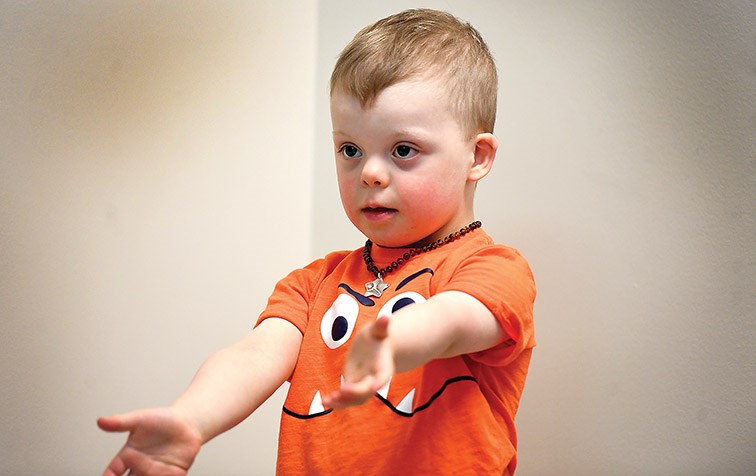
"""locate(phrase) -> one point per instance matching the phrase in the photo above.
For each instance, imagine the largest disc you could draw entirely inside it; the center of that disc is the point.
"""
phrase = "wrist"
(190, 421)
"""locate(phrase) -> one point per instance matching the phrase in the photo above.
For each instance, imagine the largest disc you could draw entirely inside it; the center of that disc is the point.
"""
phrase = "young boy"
(409, 355)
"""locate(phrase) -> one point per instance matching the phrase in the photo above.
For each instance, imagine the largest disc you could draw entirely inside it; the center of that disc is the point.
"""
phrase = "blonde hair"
(428, 44)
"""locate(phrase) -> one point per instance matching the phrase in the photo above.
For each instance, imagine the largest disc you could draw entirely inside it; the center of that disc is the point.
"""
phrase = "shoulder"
(326, 264)
(293, 294)
(319, 269)
(496, 274)
(481, 251)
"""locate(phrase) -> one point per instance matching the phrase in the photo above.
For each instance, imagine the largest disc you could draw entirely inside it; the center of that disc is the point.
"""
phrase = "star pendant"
(376, 288)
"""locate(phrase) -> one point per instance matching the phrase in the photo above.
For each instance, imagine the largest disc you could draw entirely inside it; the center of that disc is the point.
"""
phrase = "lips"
(377, 213)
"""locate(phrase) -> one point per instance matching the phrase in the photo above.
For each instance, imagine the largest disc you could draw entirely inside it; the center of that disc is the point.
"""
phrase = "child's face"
(403, 164)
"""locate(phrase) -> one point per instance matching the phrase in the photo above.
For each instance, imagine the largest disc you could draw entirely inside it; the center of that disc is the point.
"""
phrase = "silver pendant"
(376, 288)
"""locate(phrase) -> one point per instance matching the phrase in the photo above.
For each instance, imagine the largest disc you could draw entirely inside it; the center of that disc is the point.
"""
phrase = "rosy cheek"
(346, 194)
(422, 190)
(348, 199)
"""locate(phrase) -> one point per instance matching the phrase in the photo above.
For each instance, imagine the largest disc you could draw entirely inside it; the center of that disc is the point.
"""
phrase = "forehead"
(406, 104)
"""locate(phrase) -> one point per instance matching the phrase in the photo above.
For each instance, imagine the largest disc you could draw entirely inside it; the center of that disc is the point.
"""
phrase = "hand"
(369, 365)
(160, 442)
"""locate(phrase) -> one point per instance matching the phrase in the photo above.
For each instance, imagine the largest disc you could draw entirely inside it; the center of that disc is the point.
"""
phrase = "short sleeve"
(501, 279)
(293, 294)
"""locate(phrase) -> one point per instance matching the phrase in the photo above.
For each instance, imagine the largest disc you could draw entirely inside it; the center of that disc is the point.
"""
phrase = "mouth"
(378, 213)
(407, 405)
(404, 407)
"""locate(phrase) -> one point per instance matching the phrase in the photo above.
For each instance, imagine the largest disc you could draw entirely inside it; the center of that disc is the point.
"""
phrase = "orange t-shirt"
(450, 416)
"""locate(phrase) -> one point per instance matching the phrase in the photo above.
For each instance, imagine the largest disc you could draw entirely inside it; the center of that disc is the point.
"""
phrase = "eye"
(398, 302)
(338, 321)
(404, 151)
(350, 151)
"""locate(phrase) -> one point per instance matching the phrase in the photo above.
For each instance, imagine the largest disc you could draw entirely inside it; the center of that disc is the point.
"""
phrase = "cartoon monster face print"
(326, 342)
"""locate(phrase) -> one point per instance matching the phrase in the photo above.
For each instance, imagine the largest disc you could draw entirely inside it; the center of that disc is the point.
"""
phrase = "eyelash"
(358, 153)
(342, 151)
(413, 152)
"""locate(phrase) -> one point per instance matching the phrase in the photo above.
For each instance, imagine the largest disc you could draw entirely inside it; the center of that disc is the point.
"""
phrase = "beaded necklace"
(377, 287)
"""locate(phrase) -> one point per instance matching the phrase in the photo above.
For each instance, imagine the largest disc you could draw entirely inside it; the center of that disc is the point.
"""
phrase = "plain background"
(162, 164)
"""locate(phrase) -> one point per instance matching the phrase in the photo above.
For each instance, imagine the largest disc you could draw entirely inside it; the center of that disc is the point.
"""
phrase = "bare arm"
(229, 386)
(236, 380)
(448, 324)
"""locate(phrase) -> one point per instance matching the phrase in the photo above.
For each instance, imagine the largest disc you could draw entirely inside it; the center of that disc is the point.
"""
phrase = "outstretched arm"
(448, 324)
(228, 387)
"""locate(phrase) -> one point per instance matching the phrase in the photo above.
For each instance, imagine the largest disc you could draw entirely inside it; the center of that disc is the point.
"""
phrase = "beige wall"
(155, 174)
(160, 168)
(626, 177)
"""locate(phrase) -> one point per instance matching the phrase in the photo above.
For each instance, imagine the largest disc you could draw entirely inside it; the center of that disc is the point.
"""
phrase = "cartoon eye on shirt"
(339, 321)
(350, 310)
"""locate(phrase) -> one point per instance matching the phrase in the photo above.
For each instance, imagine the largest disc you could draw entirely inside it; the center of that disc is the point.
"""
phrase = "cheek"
(346, 188)
(430, 193)
(350, 198)
(444, 180)
(347, 195)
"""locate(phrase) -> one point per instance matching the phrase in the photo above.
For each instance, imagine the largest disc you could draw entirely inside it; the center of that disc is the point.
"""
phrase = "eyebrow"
(413, 276)
(364, 300)
(406, 133)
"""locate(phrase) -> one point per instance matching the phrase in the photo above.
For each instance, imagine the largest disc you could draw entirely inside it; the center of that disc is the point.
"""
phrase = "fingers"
(133, 464)
(355, 393)
(379, 329)
(116, 423)
(367, 364)
(347, 396)
(116, 467)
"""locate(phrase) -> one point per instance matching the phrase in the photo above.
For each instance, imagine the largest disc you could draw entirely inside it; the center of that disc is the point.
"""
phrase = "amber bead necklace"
(376, 288)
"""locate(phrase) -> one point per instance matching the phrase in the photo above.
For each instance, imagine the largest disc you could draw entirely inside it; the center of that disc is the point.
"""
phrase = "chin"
(394, 241)
(384, 239)
(393, 236)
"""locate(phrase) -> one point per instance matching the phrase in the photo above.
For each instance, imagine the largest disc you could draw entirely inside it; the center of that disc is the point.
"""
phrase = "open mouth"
(406, 406)
(378, 212)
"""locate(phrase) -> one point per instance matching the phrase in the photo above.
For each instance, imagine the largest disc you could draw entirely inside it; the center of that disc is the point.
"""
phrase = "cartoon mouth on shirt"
(405, 394)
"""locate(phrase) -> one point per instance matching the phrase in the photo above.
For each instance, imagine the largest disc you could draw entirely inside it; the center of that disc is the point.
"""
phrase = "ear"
(485, 153)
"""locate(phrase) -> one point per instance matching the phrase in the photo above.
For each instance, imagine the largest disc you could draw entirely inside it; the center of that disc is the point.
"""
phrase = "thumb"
(117, 423)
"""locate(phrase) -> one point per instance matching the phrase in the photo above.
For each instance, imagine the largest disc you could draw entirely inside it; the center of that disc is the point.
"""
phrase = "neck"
(412, 251)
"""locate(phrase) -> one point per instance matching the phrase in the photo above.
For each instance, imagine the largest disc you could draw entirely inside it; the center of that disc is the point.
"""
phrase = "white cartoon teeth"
(383, 391)
(405, 406)
(317, 404)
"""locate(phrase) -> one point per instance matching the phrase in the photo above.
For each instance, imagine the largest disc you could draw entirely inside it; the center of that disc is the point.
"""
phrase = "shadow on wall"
(96, 67)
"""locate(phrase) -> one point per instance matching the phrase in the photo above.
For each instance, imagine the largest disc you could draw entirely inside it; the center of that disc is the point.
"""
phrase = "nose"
(375, 172)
